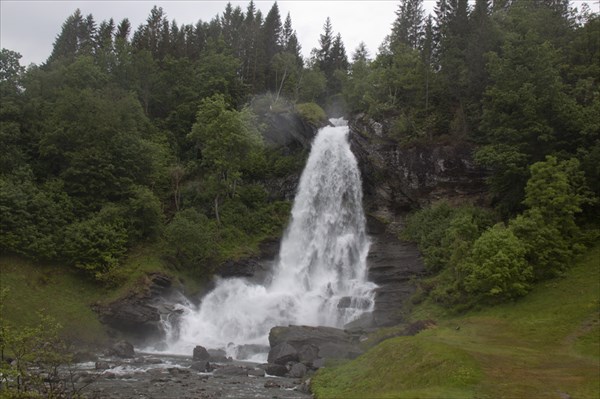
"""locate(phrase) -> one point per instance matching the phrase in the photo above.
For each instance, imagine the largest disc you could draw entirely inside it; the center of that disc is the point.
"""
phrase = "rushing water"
(319, 277)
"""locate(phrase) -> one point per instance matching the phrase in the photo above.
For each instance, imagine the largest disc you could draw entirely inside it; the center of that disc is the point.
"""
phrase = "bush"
(190, 239)
(95, 245)
(32, 218)
(311, 113)
(497, 269)
(445, 234)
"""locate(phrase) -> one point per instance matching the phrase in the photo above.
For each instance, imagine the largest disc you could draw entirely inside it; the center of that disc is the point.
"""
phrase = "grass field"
(33, 288)
(544, 346)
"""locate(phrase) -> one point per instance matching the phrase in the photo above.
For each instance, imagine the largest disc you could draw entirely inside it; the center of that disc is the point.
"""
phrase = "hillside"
(545, 345)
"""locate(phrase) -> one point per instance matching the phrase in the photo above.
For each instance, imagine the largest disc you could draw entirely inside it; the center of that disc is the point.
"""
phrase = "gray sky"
(30, 27)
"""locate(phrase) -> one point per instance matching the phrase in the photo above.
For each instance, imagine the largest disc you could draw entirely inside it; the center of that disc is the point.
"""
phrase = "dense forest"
(154, 136)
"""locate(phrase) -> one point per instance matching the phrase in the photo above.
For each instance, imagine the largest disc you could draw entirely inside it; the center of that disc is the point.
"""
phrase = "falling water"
(320, 275)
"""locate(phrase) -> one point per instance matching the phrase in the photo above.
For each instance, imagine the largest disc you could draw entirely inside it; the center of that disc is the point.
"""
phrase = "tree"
(407, 29)
(272, 39)
(226, 139)
(526, 115)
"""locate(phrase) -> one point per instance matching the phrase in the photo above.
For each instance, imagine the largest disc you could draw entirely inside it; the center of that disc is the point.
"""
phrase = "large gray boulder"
(283, 353)
(310, 343)
(275, 369)
(122, 349)
(200, 354)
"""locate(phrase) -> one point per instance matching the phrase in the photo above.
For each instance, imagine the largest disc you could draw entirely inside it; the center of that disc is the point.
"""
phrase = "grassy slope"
(544, 346)
(66, 295)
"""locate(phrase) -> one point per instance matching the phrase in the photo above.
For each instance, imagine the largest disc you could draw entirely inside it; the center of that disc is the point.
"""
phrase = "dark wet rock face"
(393, 265)
(402, 177)
(138, 313)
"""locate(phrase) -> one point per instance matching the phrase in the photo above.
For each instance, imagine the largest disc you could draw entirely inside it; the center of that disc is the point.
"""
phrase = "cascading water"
(320, 276)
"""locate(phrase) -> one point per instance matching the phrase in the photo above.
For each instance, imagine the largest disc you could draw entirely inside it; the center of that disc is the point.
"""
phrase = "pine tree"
(361, 53)
(272, 35)
(408, 26)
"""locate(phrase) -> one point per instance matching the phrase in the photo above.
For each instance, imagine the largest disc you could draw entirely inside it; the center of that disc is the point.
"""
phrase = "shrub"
(311, 113)
(95, 245)
(190, 239)
(497, 269)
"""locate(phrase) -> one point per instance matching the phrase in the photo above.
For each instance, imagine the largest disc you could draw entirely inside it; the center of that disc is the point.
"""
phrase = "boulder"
(200, 354)
(275, 369)
(202, 366)
(283, 353)
(329, 342)
(102, 366)
(307, 354)
(122, 349)
(256, 372)
(231, 371)
(218, 355)
(335, 350)
(318, 363)
(298, 336)
(298, 370)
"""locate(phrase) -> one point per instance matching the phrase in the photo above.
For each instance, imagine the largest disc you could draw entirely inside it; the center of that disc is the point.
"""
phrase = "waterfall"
(319, 277)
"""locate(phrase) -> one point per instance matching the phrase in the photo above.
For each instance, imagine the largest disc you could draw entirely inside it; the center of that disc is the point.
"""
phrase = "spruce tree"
(408, 26)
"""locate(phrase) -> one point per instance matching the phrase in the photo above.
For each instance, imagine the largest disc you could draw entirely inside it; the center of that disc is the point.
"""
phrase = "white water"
(322, 260)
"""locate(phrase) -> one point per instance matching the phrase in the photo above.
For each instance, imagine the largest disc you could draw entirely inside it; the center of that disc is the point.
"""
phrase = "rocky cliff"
(401, 177)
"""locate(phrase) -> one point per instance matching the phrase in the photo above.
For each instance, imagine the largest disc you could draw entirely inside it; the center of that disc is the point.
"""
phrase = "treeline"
(155, 135)
(521, 79)
(123, 137)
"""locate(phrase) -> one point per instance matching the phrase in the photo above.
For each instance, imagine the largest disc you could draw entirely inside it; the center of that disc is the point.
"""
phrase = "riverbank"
(545, 345)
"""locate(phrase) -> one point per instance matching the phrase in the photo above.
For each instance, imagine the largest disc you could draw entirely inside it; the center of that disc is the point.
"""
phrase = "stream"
(152, 376)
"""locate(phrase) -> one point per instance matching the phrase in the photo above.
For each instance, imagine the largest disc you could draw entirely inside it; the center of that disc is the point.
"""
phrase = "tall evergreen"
(407, 29)
(272, 40)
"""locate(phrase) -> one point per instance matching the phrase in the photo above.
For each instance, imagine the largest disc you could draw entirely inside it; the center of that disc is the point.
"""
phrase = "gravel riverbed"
(164, 377)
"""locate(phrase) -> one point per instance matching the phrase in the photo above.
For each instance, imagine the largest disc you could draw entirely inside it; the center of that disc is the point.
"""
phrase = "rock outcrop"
(394, 265)
(138, 313)
(402, 177)
(309, 346)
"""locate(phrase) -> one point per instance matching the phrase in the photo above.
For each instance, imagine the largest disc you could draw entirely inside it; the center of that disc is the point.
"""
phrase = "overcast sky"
(30, 27)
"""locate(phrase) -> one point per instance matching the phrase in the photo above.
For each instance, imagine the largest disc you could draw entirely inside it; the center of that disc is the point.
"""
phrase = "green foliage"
(190, 239)
(444, 234)
(526, 115)
(312, 85)
(95, 245)
(496, 269)
(229, 141)
(555, 193)
(311, 113)
(32, 219)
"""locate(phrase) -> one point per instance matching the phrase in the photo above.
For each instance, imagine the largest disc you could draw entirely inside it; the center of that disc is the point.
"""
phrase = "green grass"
(53, 291)
(543, 346)
(67, 295)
